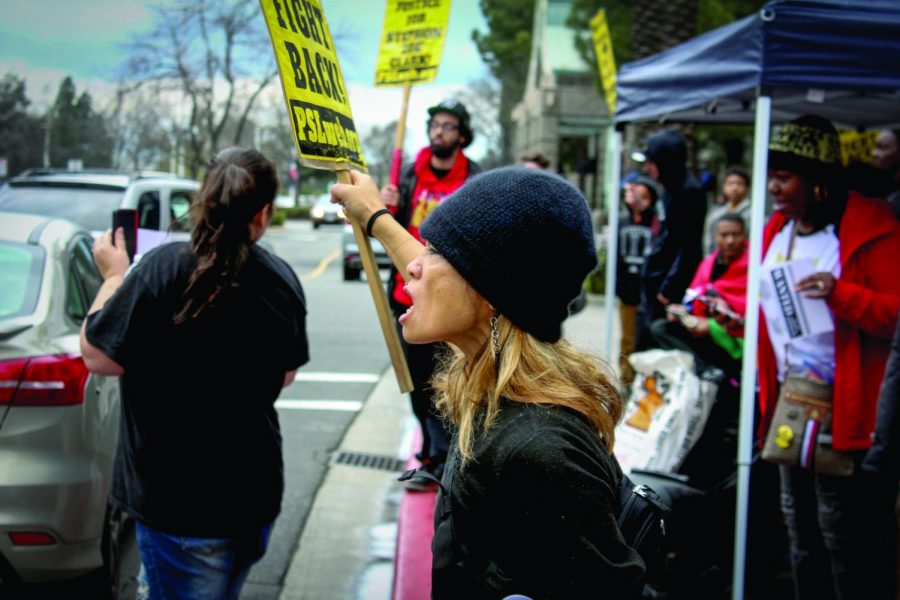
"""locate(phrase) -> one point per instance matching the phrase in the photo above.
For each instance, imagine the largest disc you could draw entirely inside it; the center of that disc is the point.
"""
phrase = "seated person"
(710, 322)
(735, 191)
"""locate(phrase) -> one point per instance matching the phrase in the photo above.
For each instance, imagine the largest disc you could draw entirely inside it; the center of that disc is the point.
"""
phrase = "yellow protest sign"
(412, 41)
(313, 85)
(606, 62)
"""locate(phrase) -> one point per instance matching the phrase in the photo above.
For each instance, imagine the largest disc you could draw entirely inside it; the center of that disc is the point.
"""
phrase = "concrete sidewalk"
(347, 547)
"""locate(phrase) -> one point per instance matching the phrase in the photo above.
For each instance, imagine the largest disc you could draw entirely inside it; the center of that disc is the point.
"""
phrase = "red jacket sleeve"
(871, 298)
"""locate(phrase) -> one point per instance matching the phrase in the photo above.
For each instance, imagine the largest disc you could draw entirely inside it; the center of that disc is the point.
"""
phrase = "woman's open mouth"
(405, 315)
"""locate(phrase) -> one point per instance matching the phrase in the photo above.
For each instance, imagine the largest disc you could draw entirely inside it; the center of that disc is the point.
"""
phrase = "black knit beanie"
(523, 239)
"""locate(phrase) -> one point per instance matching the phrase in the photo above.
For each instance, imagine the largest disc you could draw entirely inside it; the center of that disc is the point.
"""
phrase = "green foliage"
(620, 16)
(278, 217)
(21, 133)
(315, 181)
(596, 281)
(506, 50)
(715, 13)
(294, 212)
(77, 131)
(506, 47)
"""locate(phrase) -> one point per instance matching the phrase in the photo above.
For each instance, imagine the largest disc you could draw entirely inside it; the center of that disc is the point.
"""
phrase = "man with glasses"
(439, 170)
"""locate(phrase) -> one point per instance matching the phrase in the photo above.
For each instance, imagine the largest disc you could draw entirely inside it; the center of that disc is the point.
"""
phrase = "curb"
(335, 548)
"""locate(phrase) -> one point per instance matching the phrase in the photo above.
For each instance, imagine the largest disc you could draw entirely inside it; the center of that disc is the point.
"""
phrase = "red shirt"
(430, 191)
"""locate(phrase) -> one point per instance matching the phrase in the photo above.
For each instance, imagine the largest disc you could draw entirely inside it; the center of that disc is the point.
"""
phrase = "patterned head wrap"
(808, 146)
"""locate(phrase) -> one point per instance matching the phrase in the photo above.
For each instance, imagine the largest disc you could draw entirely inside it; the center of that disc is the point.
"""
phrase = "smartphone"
(127, 219)
(687, 319)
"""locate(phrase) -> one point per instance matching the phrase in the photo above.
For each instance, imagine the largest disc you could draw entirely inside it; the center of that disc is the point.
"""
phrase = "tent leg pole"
(751, 341)
(614, 143)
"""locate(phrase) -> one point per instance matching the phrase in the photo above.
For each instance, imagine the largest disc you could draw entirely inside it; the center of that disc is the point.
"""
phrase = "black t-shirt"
(199, 450)
(539, 499)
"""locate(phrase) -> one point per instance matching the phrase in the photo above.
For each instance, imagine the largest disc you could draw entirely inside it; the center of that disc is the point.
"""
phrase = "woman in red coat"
(854, 244)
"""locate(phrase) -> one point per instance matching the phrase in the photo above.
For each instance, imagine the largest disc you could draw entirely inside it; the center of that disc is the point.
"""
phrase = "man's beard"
(444, 151)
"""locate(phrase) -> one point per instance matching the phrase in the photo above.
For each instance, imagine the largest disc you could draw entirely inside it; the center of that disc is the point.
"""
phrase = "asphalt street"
(348, 356)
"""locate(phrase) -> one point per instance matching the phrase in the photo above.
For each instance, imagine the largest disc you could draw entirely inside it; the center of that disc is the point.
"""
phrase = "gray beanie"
(523, 239)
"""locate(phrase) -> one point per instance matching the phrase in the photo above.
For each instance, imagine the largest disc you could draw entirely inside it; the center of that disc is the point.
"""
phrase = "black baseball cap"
(458, 110)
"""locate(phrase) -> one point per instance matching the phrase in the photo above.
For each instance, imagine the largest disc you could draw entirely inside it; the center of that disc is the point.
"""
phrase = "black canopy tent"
(838, 59)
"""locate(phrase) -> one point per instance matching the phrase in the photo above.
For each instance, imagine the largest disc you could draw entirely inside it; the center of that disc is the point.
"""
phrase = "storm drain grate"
(369, 461)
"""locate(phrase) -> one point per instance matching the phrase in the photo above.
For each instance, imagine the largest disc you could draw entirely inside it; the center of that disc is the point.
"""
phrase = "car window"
(180, 210)
(148, 210)
(87, 206)
(84, 278)
(21, 273)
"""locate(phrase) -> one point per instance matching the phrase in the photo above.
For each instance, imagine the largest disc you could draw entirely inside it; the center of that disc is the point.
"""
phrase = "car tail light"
(31, 538)
(54, 380)
(10, 374)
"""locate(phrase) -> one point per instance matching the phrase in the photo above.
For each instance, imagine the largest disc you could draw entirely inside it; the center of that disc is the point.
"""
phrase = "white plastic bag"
(666, 412)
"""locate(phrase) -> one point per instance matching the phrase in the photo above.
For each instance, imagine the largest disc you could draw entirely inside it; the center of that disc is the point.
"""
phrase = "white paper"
(790, 315)
(148, 239)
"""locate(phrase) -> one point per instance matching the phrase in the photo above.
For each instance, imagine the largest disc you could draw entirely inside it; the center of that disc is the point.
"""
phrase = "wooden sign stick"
(397, 156)
(385, 316)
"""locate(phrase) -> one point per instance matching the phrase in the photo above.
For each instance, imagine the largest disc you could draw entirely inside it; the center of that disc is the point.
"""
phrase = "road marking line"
(337, 377)
(323, 264)
(337, 405)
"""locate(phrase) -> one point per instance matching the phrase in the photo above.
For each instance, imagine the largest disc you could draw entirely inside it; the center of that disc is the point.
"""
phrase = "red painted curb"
(415, 528)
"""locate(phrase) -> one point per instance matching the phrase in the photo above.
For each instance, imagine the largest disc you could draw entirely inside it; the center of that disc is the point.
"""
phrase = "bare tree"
(378, 145)
(142, 143)
(216, 57)
(482, 97)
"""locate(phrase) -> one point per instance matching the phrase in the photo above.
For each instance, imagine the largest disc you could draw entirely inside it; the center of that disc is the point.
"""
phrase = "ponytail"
(237, 186)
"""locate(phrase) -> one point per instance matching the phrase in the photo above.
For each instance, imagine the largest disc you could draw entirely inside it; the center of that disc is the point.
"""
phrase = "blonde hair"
(529, 371)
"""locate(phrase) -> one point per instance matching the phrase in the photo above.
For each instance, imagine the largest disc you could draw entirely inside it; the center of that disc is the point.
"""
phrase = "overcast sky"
(46, 40)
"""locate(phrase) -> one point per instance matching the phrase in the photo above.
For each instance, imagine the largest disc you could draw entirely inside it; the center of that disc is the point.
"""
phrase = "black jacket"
(635, 242)
(534, 512)
(884, 455)
(678, 249)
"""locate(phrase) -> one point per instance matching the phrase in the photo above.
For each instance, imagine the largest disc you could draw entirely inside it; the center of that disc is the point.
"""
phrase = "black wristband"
(372, 219)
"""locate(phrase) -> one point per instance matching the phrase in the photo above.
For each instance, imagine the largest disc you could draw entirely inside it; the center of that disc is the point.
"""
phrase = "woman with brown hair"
(204, 335)
(531, 482)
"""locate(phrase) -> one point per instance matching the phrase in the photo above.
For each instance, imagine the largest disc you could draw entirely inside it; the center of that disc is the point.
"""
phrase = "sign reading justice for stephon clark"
(313, 85)
(412, 41)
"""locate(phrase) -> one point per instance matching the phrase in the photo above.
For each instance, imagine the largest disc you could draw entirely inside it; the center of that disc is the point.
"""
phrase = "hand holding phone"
(127, 219)
(681, 313)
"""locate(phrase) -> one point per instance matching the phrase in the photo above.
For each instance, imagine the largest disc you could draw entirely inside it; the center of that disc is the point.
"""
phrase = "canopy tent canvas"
(840, 60)
(837, 59)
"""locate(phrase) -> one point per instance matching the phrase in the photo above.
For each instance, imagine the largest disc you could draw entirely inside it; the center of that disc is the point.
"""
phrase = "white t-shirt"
(812, 355)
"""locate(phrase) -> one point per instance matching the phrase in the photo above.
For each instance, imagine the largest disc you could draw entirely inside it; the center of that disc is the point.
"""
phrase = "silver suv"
(88, 198)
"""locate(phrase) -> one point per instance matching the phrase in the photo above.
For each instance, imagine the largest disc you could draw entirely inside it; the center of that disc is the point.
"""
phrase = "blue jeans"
(190, 568)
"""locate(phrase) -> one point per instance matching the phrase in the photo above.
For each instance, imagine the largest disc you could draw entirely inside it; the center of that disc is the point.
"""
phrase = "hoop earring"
(495, 336)
(820, 194)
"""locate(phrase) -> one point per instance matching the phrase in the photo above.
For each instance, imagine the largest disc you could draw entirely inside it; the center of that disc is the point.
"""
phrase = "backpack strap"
(409, 473)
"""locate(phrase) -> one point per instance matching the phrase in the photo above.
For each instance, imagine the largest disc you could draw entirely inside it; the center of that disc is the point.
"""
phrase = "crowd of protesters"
(506, 407)
(841, 530)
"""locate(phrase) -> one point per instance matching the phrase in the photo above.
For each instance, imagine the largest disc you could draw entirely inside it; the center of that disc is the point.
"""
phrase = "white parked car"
(88, 198)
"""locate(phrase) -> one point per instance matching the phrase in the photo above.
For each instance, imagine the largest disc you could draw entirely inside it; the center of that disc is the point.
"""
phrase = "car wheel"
(350, 274)
(316, 225)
